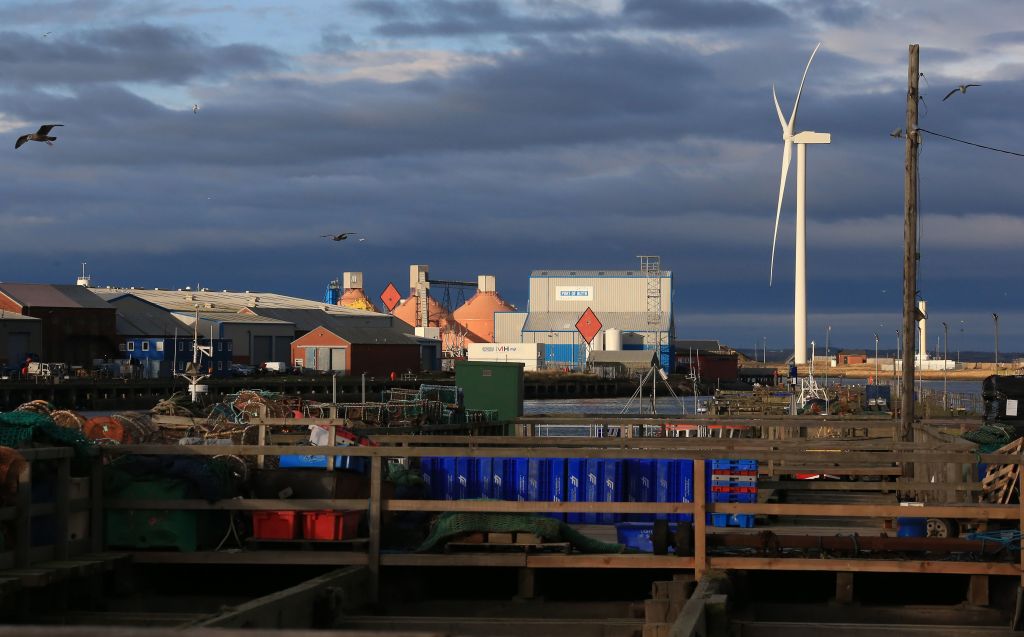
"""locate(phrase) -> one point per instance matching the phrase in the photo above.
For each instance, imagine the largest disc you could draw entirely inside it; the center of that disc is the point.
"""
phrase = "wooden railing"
(824, 456)
(21, 554)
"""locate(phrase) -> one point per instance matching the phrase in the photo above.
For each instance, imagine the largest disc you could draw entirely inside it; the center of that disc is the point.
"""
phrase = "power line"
(964, 141)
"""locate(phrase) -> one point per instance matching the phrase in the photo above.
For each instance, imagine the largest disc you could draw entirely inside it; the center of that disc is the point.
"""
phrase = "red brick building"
(357, 350)
(77, 325)
(851, 357)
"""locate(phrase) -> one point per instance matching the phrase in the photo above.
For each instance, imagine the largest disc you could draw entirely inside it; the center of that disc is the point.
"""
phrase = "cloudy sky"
(487, 137)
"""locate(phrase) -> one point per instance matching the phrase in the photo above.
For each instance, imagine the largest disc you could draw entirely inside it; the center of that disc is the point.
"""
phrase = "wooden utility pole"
(910, 248)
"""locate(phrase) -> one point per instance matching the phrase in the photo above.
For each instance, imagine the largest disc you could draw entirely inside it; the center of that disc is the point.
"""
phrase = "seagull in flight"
(41, 135)
(962, 88)
(47, 33)
(338, 237)
(195, 109)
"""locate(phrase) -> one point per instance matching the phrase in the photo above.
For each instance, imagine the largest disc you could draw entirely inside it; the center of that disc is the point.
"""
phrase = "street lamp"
(995, 319)
(875, 382)
(764, 349)
(959, 343)
(945, 356)
(899, 344)
(828, 363)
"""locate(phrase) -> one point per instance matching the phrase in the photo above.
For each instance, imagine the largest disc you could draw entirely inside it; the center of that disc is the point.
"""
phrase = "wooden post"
(700, 558)
(332, 439)
(96, 504)
(62, 513)
(844, 587)
(373, 560)
(23, 521)
(527, 588)
(910, 248)
(261, 441)
(977, 591)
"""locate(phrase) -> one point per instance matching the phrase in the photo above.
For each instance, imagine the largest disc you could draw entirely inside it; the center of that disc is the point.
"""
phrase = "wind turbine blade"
(796, 104)
(778, 109)
(787, 157)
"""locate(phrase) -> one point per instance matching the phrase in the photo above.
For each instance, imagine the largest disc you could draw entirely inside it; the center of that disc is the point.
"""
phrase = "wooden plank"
(700, 539)
(23, 523)
(518, 560)
(313, 558)
(376, 475)
(509, 506)
(845, 459)
(958, 512)
(293, 607)
(96, 505)
(864, 566)
(623, 560)
(62, 509)
(844, 587)
(977, 590)
(242, 505)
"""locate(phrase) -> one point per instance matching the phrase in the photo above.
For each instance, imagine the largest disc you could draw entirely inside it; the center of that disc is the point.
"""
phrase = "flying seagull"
(195, 108)
(41, 135)
(47, 33)
(962, 88)
(338, 237)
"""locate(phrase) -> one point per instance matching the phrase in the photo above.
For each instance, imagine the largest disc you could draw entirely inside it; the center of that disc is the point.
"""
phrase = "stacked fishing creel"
(178, 404)
(69, 419)
(249, 404)
(12, 464)
(41, 407)
(119, 429)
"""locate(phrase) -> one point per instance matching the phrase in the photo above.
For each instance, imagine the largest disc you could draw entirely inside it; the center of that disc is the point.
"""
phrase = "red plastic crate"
(330, 525)
(275, 525)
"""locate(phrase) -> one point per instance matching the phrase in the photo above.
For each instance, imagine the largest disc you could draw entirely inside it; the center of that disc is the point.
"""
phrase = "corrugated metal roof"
(13, 316)
(137, 318)
(51, 295)
(375, 335)
(231, 317)
(306, 320)
(179, 300)
(626, 357)
(566, 321)
(595, 273)
(684, 345)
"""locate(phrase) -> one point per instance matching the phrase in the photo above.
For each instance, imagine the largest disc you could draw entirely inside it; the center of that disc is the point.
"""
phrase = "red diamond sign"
(391, 296)
(588, 326)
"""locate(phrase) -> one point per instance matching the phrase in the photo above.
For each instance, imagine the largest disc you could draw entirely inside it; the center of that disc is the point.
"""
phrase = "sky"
(487, 137)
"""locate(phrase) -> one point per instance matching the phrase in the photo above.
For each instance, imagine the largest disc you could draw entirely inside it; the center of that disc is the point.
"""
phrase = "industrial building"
(77, 326)
(20, 335)
(477, 314)
(531, 355)
(636, 305)
(353, 350)
(707, 360)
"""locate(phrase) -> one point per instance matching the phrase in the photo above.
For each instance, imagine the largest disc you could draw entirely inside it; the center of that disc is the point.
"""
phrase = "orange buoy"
(105, 428)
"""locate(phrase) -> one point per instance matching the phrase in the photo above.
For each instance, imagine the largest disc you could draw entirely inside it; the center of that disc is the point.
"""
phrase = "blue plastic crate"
(519, 477)
(499, 479)
(536, 480)
(575, 486)
(736, 465)
(663, 486)
(594, 478)
(554, 490)
(635, 535)
(464, 480)
(742, 520)
(681, 487)
(732, 497)
(610, 489)
(483, 479)
(349, 463)
(639, 480)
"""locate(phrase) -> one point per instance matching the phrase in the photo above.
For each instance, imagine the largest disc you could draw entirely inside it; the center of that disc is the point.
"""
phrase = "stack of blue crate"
(732, 481)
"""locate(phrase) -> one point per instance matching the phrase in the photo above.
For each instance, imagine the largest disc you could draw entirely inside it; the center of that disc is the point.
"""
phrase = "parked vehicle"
(47, 370)
(275, 367)
(240, 369)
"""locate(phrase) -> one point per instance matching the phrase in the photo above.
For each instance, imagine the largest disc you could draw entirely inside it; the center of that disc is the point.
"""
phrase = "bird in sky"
(962, 88)
(195, 109)
(47, 33)
(361, 240)
(338, 237)
(41, 135)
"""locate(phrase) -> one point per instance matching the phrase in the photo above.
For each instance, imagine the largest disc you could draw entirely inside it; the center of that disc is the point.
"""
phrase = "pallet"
(302, 544)
(1000, 481)
(486, 547)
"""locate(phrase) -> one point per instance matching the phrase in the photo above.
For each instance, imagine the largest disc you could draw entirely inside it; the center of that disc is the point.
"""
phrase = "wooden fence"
(869, 457)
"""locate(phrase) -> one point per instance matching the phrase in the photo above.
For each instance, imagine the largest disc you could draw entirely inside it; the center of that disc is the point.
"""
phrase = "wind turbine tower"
(790, 137)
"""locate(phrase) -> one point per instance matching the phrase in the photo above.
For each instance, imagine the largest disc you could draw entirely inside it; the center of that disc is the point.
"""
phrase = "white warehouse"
(638, 303)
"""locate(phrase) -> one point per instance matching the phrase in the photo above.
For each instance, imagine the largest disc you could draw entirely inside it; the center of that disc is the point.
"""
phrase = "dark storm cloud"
(463, 17)
(844, 13)
(135, 53)
(1004, 37)
(702, 14)
(63, 14)
(334, 40)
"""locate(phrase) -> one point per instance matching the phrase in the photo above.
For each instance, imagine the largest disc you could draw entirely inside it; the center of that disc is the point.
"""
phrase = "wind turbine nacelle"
(810, 137)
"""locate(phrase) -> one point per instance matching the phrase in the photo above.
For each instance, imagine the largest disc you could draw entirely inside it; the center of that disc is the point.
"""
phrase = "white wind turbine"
(801, 140)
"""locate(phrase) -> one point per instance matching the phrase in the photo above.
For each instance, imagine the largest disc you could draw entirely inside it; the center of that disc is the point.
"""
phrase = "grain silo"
(354, 295)
(477, 314)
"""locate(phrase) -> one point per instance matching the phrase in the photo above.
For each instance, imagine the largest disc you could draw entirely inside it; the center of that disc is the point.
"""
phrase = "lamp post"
(899, 385)
(945, 355)
(764, 349)
(828, 363)
(959, 344)
(995, 320)
(875, 381)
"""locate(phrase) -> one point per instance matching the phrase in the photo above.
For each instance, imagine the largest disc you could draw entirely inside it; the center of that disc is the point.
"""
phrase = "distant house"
(622, 362)
(851, 357)
(77, 326)
(356, 350)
